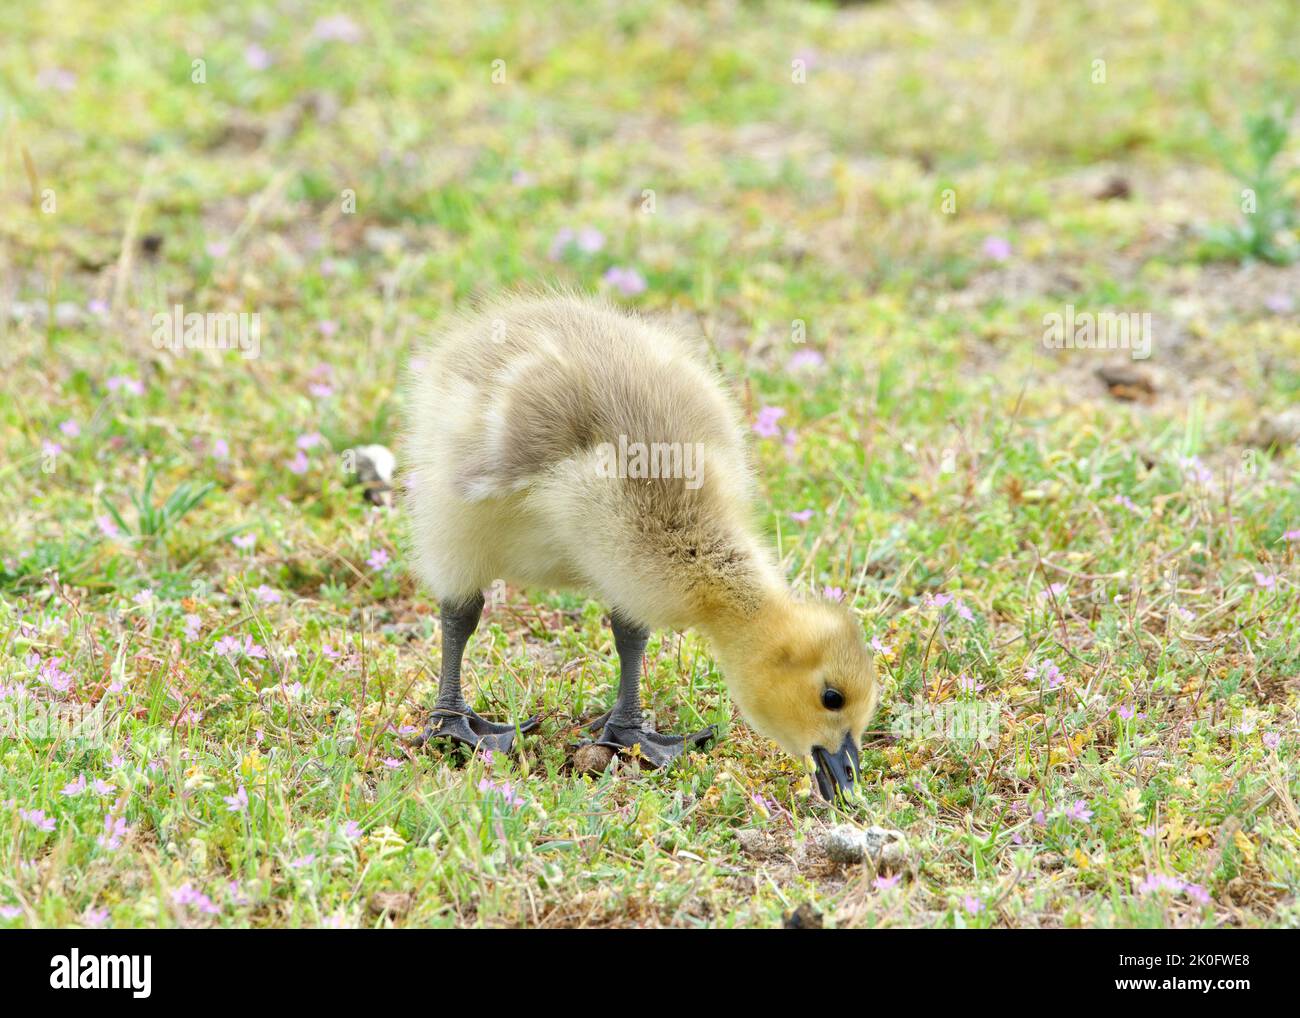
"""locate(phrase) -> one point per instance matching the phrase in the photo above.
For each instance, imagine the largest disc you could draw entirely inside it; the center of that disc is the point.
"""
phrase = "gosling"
(553, 441)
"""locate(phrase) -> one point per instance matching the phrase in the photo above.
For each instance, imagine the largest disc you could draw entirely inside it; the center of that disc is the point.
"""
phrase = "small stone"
(1115, 188)
(848, 845)
(1277, 431)
(805, 917)
(393, 903)
(592, 759)
(1127, 382)
(758, 843)
(374, 465)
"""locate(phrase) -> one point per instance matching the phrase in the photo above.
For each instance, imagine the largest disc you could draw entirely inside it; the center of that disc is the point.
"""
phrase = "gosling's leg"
(453, 718)
(623, 728)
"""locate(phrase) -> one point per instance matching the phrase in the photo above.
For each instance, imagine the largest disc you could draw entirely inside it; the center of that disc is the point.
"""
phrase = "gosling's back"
(532, 427)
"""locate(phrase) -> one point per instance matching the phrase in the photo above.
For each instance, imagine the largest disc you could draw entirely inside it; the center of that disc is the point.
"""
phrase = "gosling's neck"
(737, 625)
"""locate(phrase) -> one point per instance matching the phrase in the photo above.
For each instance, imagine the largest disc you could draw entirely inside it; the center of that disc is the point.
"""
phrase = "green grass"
(1141, 547)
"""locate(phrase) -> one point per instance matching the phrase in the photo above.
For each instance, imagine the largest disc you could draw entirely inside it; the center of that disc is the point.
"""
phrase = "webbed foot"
(648, 745)
(469, 729)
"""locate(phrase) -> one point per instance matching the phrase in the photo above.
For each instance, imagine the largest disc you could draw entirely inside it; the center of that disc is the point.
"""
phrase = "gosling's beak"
(837, 771)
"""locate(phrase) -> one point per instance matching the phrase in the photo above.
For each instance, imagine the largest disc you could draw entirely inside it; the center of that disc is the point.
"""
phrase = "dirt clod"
(592, 759)
(849, 845)
(1277, 431)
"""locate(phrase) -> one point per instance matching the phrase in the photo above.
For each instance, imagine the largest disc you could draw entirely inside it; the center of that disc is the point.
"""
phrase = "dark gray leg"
(452, 716)
(622, 728)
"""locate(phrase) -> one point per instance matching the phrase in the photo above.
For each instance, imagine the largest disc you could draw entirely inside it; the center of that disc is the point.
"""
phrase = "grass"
(202, 603)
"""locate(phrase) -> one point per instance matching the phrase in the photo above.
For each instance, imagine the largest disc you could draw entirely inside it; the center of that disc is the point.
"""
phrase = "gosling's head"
(802, 675)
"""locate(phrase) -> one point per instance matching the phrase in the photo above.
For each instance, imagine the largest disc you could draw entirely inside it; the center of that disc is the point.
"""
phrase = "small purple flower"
(106, 526)
(806, 359)
(967, 684)
(352, 830)
(506, 790)
(321, 390)
(298, 465)
(1128, 504)
(766, 426)
(879, 646)
(1046, 672)
(833, 593)
(220, 449)
(228, 646)
(70, 428)
(38, 819)
(187, 897)
(1078, 811)
(56, 79)
(237, 803)
(256, 57)
(972, 905)
(327, 327)
(1280, 304)
(589, 240)
(378, 559)
(935, 600)
(1156, 882)
(1195, 471)
(114, 834)
(888, 883)
(802, 516)
(336, 28)
(75, 787)
(244, 542)
(1271, 740)
(629, 282)
(1126, 712)
(962, 611)
(126, 383)
(268, 595)
(1265, 580)
(54, 676)
(310, 440)
(997, 248)
(1054, 591)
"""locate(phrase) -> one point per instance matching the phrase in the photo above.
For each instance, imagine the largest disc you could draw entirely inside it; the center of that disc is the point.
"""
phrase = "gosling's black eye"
(832, 699)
